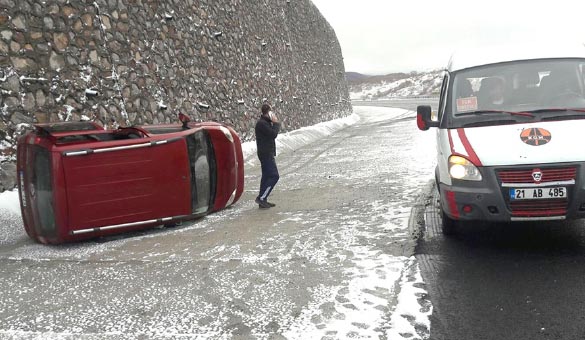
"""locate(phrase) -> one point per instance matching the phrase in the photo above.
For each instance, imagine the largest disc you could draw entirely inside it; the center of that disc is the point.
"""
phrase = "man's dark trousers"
(269, 176)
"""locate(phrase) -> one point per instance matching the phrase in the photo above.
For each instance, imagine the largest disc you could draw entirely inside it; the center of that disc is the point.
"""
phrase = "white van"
(508, 145)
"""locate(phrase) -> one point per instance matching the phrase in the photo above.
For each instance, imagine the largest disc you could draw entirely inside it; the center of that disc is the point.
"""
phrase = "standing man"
(267, 128)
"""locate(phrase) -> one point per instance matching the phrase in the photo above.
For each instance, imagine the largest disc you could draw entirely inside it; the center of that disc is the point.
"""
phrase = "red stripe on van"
(450, 141)
(468, 148)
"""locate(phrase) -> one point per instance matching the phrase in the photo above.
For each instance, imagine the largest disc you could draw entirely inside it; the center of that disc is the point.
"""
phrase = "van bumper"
(489, 199)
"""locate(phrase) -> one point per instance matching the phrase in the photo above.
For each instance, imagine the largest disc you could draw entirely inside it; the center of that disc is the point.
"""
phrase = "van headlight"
(227, 133)
(461, 168)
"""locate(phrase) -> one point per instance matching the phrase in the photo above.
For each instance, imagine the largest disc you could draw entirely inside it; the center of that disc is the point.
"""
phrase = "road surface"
(353, 249)
(505, 281)
(333, 260)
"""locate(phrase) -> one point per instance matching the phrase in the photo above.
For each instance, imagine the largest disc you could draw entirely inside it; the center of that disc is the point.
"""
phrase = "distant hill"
(355, 77)
(358, 78)
(394, 85)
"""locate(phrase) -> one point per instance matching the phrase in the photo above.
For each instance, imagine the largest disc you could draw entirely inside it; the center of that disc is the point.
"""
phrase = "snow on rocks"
(411, 85)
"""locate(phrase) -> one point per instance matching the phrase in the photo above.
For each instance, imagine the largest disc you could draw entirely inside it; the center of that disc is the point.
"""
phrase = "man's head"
(265, 109)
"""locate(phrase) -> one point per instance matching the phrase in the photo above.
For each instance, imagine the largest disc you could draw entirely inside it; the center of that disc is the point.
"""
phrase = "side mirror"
(185, 120)
(423, 118)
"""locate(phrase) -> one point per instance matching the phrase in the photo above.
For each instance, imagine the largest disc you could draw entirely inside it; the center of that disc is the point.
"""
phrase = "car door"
(127, 183)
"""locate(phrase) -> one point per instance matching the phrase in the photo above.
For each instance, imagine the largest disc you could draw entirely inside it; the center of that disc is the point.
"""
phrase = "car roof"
(468, 58)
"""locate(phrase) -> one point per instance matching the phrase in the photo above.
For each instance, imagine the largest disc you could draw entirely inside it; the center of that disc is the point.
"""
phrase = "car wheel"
(173, 224)
(448, 225)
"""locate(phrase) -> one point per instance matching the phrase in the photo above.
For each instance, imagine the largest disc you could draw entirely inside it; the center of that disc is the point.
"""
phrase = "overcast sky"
(384, 36)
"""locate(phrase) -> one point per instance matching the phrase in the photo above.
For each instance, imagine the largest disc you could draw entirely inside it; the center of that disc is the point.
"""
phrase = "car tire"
(173, 224)
(448, 225)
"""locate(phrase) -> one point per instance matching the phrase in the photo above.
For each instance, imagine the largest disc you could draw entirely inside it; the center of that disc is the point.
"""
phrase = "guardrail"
(396, 98)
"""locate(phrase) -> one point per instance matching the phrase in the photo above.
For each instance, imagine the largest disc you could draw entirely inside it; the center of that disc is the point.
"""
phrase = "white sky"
(384, 36)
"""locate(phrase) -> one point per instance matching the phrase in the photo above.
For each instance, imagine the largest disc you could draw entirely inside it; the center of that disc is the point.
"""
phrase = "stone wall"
(125, 62)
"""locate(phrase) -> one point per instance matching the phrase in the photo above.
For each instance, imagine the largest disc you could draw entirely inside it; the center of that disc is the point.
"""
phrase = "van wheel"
(448, 225)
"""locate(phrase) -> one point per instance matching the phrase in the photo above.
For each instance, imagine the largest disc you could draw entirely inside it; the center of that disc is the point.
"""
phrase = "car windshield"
(521, 90)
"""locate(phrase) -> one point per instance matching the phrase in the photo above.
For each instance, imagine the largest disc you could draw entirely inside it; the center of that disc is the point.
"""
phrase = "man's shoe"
(271, 204)
(257, 200)
(264, 205)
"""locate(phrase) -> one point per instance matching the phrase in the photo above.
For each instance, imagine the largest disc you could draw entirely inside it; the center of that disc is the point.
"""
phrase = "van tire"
(448, 225)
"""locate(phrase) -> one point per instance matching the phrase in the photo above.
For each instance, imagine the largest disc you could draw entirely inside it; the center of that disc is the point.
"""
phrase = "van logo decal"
(535, 136)
(537, 175)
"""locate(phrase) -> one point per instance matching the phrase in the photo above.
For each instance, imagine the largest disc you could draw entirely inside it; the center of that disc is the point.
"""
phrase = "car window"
(201, 180)
(41, 189)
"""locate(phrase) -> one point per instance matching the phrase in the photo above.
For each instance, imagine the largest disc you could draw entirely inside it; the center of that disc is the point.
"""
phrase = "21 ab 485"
(538, 193)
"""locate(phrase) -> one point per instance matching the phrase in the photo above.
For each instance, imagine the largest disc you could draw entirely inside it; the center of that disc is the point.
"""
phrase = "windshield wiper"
(572, 114)
(490, 123)
(481, 112)
(557, 110)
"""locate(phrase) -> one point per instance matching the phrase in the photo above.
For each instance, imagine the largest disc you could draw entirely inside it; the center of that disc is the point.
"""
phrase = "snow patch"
(68, 114)
(410, 319)
(293, 140)
(9, 202)
(360, 307)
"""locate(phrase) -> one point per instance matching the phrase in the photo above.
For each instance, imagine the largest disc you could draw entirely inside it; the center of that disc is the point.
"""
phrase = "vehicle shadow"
(545, 238)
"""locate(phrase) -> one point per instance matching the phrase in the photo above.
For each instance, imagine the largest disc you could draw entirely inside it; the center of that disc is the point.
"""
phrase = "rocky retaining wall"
(125, 62)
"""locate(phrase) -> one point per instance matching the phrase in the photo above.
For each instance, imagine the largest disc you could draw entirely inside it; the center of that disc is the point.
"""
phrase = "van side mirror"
(423, 118)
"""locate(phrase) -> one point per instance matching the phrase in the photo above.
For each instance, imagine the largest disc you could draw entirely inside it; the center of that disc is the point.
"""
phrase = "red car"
(78, 181)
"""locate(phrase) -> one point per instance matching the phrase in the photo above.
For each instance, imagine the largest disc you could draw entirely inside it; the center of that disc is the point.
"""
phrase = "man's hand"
(273, 117)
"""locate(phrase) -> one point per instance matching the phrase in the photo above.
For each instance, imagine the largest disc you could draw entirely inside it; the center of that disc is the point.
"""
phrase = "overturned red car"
(78, 180)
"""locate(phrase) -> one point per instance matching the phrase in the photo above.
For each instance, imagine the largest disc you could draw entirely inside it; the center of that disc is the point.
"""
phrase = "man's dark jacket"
(266, 132)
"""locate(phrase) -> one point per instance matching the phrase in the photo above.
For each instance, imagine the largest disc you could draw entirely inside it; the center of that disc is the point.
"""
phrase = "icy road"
(333, 260)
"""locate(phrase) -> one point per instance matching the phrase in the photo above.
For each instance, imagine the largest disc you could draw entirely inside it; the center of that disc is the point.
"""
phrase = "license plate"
(538, 193)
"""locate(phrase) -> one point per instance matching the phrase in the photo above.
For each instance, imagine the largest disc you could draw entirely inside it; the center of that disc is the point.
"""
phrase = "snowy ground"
(339, 267)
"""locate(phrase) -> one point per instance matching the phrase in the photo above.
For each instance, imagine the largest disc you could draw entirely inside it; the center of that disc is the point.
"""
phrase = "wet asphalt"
(501, 281)
(504, 281)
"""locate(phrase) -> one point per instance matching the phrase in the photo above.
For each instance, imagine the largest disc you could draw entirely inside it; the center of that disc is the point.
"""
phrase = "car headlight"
(227, 133)
(461, 168)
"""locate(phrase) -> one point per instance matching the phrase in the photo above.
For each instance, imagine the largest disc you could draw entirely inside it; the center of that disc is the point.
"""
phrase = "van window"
(520, 86)
(202, 171)
(443, 98)
(582, 74)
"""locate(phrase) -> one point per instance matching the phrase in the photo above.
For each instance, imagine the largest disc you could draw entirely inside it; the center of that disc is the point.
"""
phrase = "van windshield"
(519, 91)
